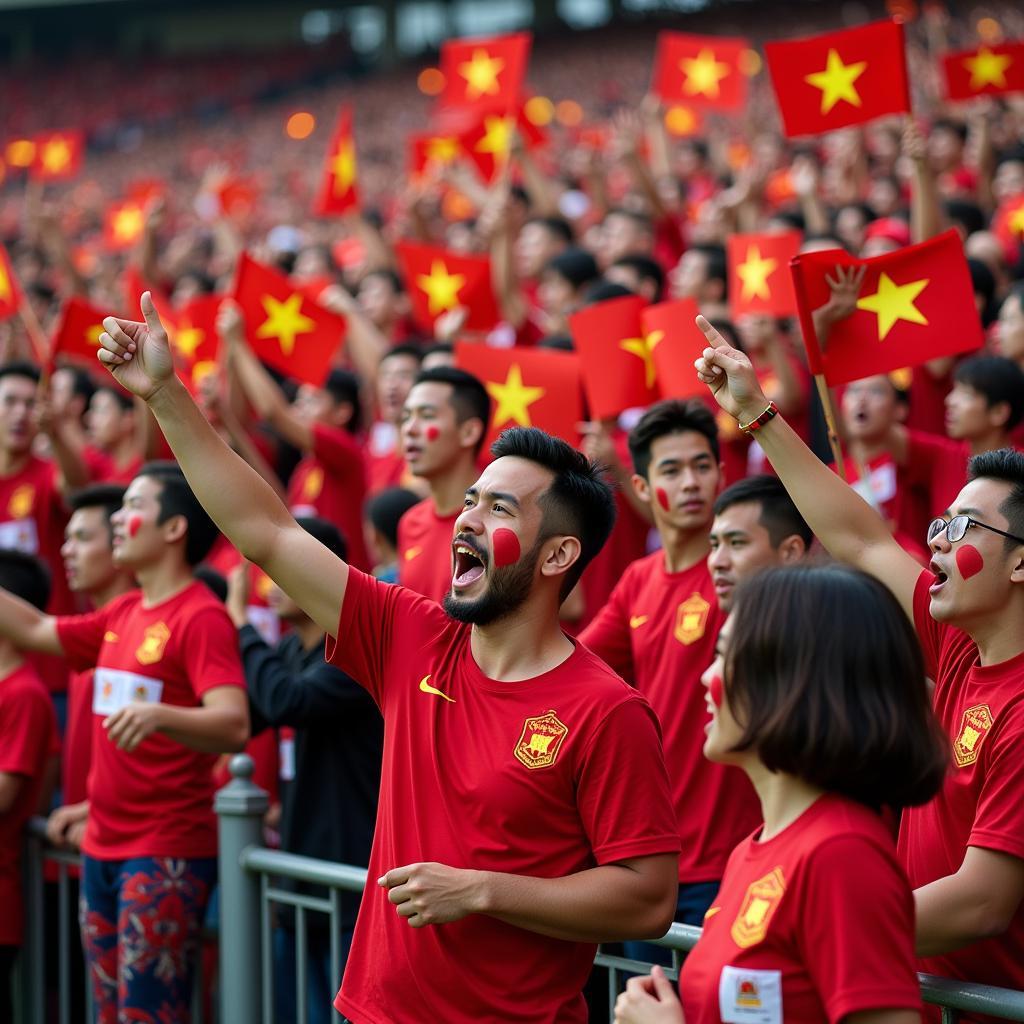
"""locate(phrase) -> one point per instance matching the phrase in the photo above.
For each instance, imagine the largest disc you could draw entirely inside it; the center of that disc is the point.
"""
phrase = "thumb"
(662, 986)
(149, 312)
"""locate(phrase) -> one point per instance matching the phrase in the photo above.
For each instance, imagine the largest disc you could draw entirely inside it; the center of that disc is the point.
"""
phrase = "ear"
(1017, 575)
(175, 529)
(342, 414)
(792, 549)
(998, 414)
(641, 488)
(563, 553)
(470, 432)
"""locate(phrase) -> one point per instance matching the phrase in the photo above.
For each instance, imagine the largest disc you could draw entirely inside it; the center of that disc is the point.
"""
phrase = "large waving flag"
(700, 70)
(485, 71)
(840, 78)
(338, 192)
(759, 278)
(676, 342)
(996, 70)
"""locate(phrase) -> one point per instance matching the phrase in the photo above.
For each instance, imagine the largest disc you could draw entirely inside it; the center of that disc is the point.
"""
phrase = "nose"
(719, 558)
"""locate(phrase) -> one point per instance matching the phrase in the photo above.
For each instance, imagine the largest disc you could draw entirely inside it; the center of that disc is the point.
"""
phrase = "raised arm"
(241, 503)
(27, 627)
(848, 527)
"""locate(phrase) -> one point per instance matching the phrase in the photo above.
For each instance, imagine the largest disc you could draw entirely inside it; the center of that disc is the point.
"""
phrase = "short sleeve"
(210, 653)
(859, 952)
(81, 636)
(623, 793)
(26, 730)
(338, 451)
(999, 818)
(608, 634)
(929, 455)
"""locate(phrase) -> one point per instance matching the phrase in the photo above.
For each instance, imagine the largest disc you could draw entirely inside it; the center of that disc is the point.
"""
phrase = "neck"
(988, 442)
(999, 637)
(783, 797)
(683, 549)
(10, 658)
(120, 584)
(124, 451)
(12, 462)
(448, 490)
(309, 633)
(523, 645)
(163, 580)
(867, 449)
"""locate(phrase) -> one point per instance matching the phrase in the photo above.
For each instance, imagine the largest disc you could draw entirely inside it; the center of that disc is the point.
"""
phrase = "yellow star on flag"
(513, 398)
(1016, 221)
(5, 285)
(754, 273)
(836, 81)
(497, 136)
(186, 339)
(988, 68)
(442, 149)
(893, 302)
(441, 288)
(128, 223)
(703, 73)
(92, 334)
(644, 348)
(343, 167)
(284, 321)
(56, 155)
(481, 74)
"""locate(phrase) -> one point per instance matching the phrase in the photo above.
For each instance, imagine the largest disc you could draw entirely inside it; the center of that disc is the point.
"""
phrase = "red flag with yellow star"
(484, 71)
(431, 152)
(77, 335)
(10, 295)
(1008, 225)
(487, 141)
(338, 192)
(616, 356)
(676, 341)
(438, 281)
(838, 79)
(286, 329)
(529, 387)
(57, 156)
(915, 304)
(702, 71)
(995, 70)
(759, 278)
(123, 224)
(192, 331)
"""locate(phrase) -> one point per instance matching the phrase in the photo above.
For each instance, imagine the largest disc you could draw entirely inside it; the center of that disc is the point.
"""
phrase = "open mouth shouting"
(940, 577)
(469, 564)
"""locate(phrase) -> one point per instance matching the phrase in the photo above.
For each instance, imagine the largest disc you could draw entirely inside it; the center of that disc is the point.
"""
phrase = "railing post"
(240, 807)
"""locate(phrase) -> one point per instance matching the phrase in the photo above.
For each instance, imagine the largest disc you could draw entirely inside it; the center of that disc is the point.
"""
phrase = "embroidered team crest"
(691, 619)
(314, 484)
(976, 722)
(757, 909)
(21, 502)
(151, 650)
(541, 740)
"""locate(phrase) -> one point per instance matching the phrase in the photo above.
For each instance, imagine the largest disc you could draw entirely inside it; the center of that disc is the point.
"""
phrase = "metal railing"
(250, 887)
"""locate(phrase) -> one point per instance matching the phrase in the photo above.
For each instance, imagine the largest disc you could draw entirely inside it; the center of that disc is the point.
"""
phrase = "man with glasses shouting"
(964, 851)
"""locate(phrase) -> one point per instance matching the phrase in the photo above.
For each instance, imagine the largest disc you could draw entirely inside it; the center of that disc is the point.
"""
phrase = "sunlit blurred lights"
(539, 110)
(989, 30)
(569, 113)
(750, 62)
(300, 125)
(455, 206)
(20, 152)
(430, 81)
(680, 121)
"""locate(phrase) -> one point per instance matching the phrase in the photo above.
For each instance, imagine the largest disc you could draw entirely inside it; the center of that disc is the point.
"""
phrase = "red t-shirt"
(28, 732)
(103, 469)
(77, 754)
(982, 711)
(939, 466)
(658, 631)
(927, 410)
(544, 777)
(904, 505)
(813, 925)
(425, 550)
(156, 801)
(330, 483)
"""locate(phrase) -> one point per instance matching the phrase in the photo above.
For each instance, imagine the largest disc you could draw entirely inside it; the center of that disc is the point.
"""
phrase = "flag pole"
(34, 330)
(830, 423)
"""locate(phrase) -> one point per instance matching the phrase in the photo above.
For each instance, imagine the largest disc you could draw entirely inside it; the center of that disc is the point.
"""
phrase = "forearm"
(925, 208)
(503, 277)
(815, 215)
(73, 472)
(366, 344)
(213, 730)
(537, 187)
(27, 627)
(951, 915)
(242, 443)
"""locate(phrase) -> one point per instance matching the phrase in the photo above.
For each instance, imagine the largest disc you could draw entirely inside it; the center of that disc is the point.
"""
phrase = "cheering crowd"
(549, 550)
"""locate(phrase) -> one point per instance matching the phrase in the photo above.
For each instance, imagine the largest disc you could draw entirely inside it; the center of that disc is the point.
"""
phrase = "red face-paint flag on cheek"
(969, 561)
(432, 433)
(505, 547)
(134, 524)
(715, 688)
(662, 495)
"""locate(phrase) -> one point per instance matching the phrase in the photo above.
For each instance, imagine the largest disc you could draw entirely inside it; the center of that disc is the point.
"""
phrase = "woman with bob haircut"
(818, 693)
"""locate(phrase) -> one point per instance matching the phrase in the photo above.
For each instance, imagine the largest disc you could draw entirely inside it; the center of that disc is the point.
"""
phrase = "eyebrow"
(676, 460)
(504, 496)
(973, 512)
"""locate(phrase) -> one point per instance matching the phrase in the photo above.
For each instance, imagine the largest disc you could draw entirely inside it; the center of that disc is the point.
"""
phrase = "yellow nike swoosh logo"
(637, 621)
(411, 553)
(425, 687)
(711, 912)
(110, 637)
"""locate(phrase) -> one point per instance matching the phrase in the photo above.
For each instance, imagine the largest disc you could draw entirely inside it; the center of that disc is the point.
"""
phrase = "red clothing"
(103, 470)
(544, 777)
(810, 926)
(77, 755)
(28, 732)
(658, 630)
(927, 410)
(982, 710)
(938, 465)
(158, 800)
(425, 550)
(902, 504)
(330, 483)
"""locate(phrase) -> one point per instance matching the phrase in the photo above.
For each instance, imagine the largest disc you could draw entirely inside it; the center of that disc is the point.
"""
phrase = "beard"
(507, 591)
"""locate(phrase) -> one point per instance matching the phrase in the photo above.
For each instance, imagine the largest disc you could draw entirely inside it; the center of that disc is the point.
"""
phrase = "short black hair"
(1007, 466)
(824, 675)
(645, 268)
(215, 581)
(641, 220)
(176, 499)
(470, 399)
(25, 576)
(779, 515)
(392, 277)
(576, 266)
(717, 265)
(20, 368)
(672, 416)
(439, 348)
(343, 387)
(108, 497)
(327, 533)
(82, 383)
(999, 380)
(602, 291)
(579, 502)
(385, 509)
(557, 226)
(968, 214)
(122, 397)
(404, 349)
(957, 128)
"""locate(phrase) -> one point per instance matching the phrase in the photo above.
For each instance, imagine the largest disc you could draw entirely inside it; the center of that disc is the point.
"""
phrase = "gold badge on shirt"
(691, 619)
(151, 650)
(757, 909)
(976, 722)
(21, 501)
(540, 740)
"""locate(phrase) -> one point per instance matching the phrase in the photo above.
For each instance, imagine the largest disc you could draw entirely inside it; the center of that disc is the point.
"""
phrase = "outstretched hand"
(137, 354)
(729, 375)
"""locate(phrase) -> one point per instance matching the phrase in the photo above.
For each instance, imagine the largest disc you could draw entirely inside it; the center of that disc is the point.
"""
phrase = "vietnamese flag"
(134, 284)
(58, 156)
(78, 331)
(1008, 225)
(987, 71)
(484, 71)
(529, 387)
(703, 71)
(10, 295)
(841, 78)
(915, 304)
(676, 341)
(286, 329)
(759, 278)
(123, 225)
(439, 281)
(432, 151)
(338, 192)
(237, 197)
(616, 356)
(192, 332)
(488, 139)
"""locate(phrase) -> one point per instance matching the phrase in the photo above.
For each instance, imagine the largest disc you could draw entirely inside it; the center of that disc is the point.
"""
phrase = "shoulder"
(422, 510)
(845, 833)
(198, 604)
(24, 684)
(642, 571)
(122, 605)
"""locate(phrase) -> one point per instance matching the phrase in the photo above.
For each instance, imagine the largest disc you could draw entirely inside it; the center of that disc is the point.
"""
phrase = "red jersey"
(330, 483)
(939, 466)
(791, 940)
(28, 732)
(982, 711)
(103, 469)
(658, 630)
(901, 503)
(538, 777)
(156, 801)
(425, 550)
(77, 753)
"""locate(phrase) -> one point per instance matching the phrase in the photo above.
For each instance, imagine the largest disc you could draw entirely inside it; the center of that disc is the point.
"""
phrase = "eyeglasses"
(958, 526)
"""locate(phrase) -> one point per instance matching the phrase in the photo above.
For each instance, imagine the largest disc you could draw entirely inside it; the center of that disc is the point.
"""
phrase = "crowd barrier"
(250, 877)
